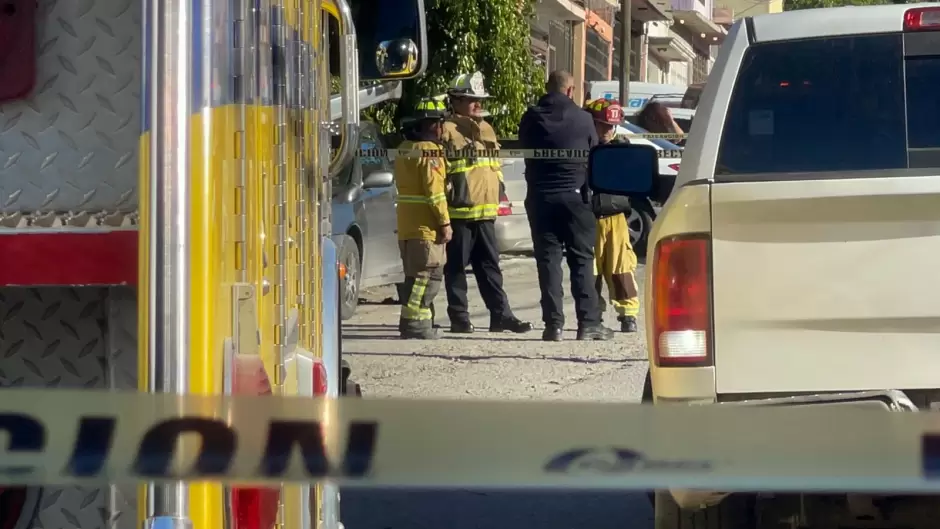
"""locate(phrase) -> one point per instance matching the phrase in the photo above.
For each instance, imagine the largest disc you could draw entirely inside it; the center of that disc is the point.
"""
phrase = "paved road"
(486, 366)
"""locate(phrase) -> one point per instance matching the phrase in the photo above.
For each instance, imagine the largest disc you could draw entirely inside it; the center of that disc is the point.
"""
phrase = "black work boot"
(461, 327)
(509, 323)
(419, 334)
(595, 332)
(627, 324)
(551, 334)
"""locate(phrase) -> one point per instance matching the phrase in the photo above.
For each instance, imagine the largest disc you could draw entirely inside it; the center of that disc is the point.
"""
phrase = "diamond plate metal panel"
(122, 375)
(72, 337)
(73, 145)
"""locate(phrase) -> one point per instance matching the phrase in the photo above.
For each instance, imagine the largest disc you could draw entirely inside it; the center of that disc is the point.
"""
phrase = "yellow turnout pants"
(615, 263)
(423, 263)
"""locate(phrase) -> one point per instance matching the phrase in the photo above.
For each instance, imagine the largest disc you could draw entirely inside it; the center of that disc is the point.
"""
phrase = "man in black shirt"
(558, 207)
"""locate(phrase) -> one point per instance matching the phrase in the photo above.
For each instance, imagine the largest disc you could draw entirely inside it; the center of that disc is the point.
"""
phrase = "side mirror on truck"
(392, 38)
(623, 169)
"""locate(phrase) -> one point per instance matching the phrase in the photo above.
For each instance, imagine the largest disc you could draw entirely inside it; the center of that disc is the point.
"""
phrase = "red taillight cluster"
(254, 508)
(319, 378)
(922, 19)
(682, 317)
(505, 206)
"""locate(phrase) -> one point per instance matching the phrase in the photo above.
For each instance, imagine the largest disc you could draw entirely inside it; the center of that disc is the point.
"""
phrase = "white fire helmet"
(468, 85)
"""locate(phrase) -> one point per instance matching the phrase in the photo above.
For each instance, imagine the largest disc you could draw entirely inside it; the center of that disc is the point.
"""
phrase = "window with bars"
(596, 57)
(635, 33)
(700, 67)
(559, 39)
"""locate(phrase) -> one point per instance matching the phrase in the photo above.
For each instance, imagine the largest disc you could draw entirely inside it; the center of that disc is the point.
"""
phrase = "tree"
(793, 5)
(464, 36)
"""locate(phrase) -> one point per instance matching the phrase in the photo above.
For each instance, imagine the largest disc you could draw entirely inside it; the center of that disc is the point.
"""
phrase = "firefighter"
(474, 188)
(423, 221)
(614, 259)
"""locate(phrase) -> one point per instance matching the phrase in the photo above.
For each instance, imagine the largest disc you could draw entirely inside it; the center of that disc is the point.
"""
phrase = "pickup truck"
(795, 262)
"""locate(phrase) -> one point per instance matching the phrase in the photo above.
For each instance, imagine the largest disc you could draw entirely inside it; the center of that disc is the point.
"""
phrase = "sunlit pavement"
(488, 366)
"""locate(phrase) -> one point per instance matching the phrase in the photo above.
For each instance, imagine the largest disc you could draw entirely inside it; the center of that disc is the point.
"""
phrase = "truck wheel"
(734, 512)
(349, 288)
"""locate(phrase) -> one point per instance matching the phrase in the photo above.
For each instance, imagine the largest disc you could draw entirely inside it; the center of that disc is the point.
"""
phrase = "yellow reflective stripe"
(413, 310)
(474, 212)
(456, 166)
(412, 199)
(421, 199)
(462, 166)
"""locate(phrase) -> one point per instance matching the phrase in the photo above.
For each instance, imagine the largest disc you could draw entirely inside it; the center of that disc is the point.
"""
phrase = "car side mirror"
(391, 37)
(377, 179)
(623, 169)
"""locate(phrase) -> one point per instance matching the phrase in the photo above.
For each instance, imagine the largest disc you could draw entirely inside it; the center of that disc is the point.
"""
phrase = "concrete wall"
(749, 8)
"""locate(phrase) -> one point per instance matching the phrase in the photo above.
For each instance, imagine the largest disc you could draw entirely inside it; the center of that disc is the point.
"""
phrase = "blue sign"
(634, 102)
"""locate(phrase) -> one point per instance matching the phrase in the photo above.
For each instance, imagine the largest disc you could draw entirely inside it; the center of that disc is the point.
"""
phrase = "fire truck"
(165, 217)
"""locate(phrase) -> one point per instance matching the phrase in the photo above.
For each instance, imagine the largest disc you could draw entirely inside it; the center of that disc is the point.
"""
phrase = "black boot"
(552, 334)
(461, 327)
(627, 324)
(509, 323)
(595, 332)
(419, 334)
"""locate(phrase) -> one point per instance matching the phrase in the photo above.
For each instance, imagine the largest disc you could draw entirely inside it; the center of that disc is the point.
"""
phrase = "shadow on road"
(471, 358)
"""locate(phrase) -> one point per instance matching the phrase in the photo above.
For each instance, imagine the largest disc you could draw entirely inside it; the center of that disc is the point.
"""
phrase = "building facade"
(673, 42)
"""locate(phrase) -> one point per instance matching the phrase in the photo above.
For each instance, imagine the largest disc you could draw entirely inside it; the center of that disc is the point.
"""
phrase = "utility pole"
(625, 45)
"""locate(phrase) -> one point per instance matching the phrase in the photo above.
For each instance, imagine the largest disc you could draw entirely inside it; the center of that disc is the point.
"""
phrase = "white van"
(640, 93)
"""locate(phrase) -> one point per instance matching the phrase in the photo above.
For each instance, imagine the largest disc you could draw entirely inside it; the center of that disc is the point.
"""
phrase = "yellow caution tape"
(538, 154)
(60, 437)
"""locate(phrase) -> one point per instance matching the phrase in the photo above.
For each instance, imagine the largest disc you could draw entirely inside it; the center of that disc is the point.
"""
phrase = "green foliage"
(793, 5)
(464, 36)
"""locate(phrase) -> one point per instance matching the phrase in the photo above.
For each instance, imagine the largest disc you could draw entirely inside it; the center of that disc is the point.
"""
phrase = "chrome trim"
(349, 74)
(329, 510)
(167, 522)
(299, 366)
(170, 107)
(330, 317)
(228, 388)
(894, 400)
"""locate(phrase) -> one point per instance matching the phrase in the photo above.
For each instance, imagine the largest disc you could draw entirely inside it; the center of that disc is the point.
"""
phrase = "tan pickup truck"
(796, 262)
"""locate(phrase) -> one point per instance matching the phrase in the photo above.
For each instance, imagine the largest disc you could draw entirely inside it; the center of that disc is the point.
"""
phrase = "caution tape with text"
(538, 154)
(58, 437)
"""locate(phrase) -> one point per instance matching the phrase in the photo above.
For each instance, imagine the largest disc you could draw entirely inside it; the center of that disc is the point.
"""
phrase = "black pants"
(474, 243)
(563, 223)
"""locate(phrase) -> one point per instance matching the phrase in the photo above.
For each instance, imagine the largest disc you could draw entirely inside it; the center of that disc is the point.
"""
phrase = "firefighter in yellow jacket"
(614, 258)
(423, 222)
(474, 188)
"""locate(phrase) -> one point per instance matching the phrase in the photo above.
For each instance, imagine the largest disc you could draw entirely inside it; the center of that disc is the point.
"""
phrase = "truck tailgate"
(827, 284)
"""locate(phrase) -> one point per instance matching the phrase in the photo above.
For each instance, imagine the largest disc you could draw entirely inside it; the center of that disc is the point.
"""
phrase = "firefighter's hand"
(445, 234)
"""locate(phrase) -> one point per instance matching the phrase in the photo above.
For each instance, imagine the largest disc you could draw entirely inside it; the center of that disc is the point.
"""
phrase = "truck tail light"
(252, 508)
(505, 206)
(17, 48)
(922, 19)
(682, 301)
(319, 378)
